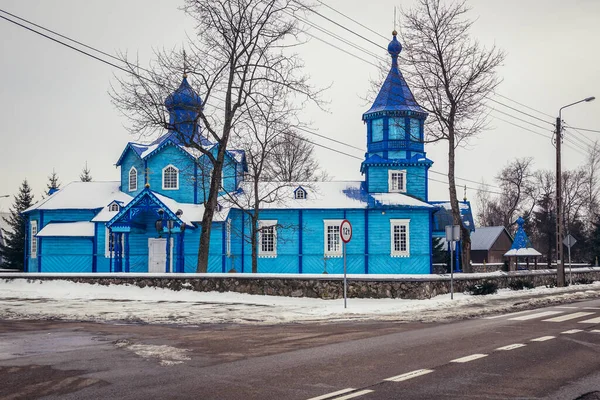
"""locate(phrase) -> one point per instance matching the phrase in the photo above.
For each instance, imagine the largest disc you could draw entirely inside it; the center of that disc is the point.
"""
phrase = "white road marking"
(565, 307)
(332, 394)
(543, 338)
(409, 375)
(511, 346)
(568, 317)
(507, 315)
(572, 331)
(353, 395)
(469, 358)
(536, 315)
(591, 308)
(595, 331)
(591, 321)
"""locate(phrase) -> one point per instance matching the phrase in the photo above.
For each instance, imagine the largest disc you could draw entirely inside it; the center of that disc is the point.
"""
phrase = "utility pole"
(560, 266)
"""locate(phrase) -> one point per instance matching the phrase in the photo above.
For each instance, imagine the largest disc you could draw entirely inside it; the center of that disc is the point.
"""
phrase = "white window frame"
(33, 241)
(300, 190)
(176, 177)
(132, 187)
(327, 223)
(263, 224)
(397, 252)
(107, 252)
(391, 181)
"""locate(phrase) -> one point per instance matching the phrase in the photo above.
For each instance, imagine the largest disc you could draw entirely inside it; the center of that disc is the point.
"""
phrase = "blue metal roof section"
(521, 239)
(395, 96)
(183, 97)
(377, 160)
(443, 216)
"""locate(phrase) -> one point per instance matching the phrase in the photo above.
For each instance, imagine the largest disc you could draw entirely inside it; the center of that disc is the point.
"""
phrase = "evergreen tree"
(85, 174)
(14, 249)
(53, 184)
(441, 254)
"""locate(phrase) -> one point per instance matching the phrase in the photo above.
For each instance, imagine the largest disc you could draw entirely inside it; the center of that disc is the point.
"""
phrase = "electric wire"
(353, 20)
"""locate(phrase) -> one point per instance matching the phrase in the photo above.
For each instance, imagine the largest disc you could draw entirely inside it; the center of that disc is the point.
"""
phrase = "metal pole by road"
(569, 246)
(345, 283)
(451, 244)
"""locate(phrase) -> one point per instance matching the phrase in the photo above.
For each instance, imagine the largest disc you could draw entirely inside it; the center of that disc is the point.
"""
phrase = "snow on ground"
(167, 355)
(37, 299)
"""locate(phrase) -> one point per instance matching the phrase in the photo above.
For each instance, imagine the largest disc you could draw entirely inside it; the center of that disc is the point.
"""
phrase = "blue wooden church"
(149, 221)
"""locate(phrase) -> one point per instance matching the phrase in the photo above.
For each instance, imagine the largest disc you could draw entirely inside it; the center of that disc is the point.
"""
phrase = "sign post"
(345, 235)
(452, 236)
(569, 241)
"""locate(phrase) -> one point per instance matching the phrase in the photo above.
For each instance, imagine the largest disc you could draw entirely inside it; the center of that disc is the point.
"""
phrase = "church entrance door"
(157, 255)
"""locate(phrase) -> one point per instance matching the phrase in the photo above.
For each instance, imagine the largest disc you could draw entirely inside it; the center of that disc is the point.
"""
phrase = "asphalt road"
(545, 353)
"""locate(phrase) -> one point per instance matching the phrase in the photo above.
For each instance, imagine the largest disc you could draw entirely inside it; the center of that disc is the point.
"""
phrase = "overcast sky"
(56, 112)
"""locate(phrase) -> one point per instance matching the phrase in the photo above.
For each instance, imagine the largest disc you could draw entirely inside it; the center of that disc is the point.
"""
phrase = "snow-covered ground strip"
(36, 299)
(362, 277)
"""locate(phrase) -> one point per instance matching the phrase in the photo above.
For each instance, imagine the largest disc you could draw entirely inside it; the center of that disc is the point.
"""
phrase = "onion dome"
(184, 97)
(394, 48)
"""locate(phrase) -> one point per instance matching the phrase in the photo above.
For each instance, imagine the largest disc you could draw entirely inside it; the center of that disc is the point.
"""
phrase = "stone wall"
(319, 286)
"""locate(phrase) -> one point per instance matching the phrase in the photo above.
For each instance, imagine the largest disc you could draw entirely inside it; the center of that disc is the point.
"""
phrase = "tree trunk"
(464, 232)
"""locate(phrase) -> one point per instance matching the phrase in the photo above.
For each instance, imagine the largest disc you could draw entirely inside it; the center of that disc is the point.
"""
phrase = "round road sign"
(345, 231)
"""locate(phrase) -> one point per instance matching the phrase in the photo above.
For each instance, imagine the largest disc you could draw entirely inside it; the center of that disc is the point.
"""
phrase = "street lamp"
(560, 266)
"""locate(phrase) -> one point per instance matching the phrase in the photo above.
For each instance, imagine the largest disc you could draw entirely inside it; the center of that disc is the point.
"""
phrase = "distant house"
(3, 227)
(489, 243)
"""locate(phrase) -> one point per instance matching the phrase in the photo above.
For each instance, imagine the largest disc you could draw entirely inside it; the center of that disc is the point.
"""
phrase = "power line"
(353, 20)
(522, 112)
(519, 126)
(586, 130)
(523, 105)
(517, 118)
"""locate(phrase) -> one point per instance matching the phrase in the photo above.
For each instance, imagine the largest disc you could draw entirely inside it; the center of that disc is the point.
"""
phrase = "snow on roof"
(67, 229)
(484, 238)
(106, 215)
(191, 212)
(323, 195)
(523, 252)
(82, 196)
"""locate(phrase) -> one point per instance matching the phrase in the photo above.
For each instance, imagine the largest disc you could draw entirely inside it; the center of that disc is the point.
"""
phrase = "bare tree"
(450, 75)
(239, 48)
(293, 160)
(518, 190)
(592, 185)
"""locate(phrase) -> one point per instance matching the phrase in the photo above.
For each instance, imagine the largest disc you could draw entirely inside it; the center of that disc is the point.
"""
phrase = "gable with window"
(397, 181)
(133, 179)
(400, 237)
(114, 206)
(267, 238)
(332, 243)
(300, 193)
(170, 178)
(33, 240)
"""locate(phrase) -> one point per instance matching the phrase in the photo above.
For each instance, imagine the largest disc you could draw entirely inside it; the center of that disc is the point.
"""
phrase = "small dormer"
(114, 206)
(300, 193)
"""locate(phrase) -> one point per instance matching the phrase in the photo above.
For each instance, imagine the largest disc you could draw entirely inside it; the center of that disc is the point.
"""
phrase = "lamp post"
(560, 265)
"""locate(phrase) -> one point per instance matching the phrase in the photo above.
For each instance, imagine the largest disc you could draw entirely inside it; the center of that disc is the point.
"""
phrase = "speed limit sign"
(346, 231)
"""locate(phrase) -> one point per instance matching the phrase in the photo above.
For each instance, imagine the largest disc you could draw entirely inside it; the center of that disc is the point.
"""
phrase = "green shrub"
(520, 284)
(481, 289)
(583, 281)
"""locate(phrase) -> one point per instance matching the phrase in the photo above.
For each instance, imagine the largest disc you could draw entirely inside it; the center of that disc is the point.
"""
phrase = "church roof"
(484, 237)
(522, 246)
(68, 229)
(82, 196)
(443, 216)
(394, 95)
(326, 195)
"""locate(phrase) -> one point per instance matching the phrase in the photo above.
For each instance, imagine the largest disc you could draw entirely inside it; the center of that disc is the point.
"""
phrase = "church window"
(267, 238)
(33, 239)
(377, 130)
(170, 178)
(399, 237)
(396, 129)
(397, 181)
(333, 246)
(415, 130)
(133, 179)
(113, 207)
(300, 194)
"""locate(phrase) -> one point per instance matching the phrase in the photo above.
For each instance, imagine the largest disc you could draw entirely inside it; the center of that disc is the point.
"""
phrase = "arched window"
(132, 179)
(170, 177)
(113, 207)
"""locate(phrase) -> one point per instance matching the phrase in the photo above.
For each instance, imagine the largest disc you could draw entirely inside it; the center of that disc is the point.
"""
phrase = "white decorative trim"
(107, 252)
(228, 238)
(264, 224)
(391, 188)
(176, 177)
(33, 241)
(332, 223)
(132, 188)
(399, 223)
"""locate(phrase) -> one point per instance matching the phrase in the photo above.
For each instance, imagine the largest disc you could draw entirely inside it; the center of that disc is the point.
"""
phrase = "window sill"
(267, 256)
(333, 255)
(400, 255)
(170, 188)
